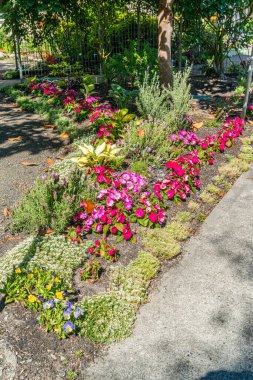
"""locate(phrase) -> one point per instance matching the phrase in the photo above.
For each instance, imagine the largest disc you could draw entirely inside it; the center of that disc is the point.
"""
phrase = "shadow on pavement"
(227, 375)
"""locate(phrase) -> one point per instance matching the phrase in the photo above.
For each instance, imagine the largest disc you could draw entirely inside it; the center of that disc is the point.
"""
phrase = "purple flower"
(67, 313)
(78, 312)
(69, 327)
(68, 305)
(48, 304)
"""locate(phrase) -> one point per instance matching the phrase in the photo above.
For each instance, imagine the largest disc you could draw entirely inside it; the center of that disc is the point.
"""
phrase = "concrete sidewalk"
(199, 322)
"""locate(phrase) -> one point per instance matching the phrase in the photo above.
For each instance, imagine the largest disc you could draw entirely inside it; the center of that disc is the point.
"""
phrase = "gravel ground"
(36, 146)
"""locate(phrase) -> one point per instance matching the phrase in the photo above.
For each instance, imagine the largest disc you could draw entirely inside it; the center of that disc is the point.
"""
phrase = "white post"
(19, 60)
(246, 99)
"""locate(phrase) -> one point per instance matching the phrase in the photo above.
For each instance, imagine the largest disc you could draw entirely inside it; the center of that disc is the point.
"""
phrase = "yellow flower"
(57, 280)
(30, 275)
(32, 298)
(48, 286)
(18, 270)
(59, 295)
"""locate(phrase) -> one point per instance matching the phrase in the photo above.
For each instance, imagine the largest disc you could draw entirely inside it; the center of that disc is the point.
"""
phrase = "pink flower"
(127, 235)
(97, 243)
(114, 230)
(250, 107)
(139, 213)
(99, 228)
(153, 217)
(171, 194)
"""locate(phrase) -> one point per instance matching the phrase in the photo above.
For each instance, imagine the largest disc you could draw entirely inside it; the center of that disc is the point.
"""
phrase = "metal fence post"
(250, 70)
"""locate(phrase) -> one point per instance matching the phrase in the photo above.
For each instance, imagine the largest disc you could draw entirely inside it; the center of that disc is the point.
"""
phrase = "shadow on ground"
(227, 375)
(35, 138)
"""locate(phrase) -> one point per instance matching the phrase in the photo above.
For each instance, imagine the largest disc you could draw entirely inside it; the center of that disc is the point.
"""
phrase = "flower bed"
(125, 204)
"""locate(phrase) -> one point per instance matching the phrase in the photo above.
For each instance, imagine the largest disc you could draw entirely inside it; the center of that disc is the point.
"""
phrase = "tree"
(218, 25)
(165, 17)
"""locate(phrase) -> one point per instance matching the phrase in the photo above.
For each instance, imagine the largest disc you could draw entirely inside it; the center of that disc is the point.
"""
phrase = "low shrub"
(50, 203)
(108, 318)
(147, 144)
(160, 243)
(168, 105)
(51, 252)
(134, 280)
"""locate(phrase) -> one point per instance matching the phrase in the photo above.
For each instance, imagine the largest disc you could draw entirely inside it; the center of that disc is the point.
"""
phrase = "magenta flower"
(139, 213)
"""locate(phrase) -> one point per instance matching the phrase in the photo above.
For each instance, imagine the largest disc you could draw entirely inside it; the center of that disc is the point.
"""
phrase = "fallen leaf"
(90, 281)
(12, 238)
(6, 211)
(88, 206)
(45, 170)
(45, 231)
(49, 126)
(250, 122)
(25, 163)
(221, 193)
(229, 144)
(198, 125)
(64, 135)
(19, 109)
(18, 138)
(141, 132)
(50, 161)
(60, 158)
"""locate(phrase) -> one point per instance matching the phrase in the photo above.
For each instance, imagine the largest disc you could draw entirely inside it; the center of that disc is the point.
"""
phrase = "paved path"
(199, 322)
(36, 146)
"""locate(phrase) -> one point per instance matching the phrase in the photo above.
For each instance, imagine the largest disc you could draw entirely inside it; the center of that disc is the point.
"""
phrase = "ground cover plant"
(115, 207)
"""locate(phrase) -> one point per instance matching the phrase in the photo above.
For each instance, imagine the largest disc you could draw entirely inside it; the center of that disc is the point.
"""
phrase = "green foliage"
(11, 75)
(177, 230)
(91, 271)
(71, 375)
(193, 206)
(160, 243)
(213, 189)
(28, 285)
(184, 217)
(147, 144)
(145, 265)
(43, 108)
(207, 197)
(132, 282)
(212, 123)
(51, 252)
(168, 105)
(233, 169)
(65, 69)
(151, 101)
(108, 318)
(50, 203)
(87, 84)
(102, 154)
(132, 64)
(140, 167)
(122, 97)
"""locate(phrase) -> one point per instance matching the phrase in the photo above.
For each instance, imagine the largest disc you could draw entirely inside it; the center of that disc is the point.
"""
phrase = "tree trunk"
(180, 44)
(164, 42)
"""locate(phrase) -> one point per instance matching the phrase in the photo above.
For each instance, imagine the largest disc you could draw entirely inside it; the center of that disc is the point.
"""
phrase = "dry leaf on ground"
(50, 161)
(49, 126)
(25, 163)
(18, 138)
(198, 125)
(64, 135)
(13, 238)
(6, 211)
